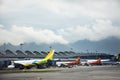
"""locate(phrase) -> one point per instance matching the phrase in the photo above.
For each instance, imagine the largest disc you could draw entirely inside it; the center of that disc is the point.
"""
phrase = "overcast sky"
(58, 21)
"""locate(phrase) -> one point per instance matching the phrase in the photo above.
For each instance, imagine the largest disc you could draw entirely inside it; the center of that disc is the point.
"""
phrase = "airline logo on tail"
(99, 60)
(77, 59)
(45, 60)
(50, 55)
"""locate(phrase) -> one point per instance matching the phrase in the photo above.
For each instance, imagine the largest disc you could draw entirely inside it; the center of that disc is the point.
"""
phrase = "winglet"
(50, 55)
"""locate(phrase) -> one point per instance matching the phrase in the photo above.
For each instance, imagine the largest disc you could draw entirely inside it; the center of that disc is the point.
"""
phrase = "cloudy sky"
(58, 21)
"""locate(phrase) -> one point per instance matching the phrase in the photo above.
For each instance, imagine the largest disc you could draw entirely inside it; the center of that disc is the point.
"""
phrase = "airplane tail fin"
(78, 59)
(50, 55)
(99, 60)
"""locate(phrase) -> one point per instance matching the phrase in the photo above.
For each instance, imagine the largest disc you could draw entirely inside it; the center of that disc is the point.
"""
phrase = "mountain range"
(110, 46)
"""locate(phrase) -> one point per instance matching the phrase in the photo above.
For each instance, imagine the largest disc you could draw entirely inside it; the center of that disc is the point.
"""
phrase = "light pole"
(4, 47)
(71, 49)
(21, 46)
(87, 51)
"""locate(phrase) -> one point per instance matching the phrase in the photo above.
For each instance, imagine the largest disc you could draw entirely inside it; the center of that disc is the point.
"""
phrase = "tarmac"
(108, 72)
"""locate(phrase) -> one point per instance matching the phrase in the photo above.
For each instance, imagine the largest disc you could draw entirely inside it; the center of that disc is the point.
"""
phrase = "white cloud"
(76, 8)
(57, 12)
(21, 34)
(1, 26)
(99, 30)
(78, 15)
(89, 8)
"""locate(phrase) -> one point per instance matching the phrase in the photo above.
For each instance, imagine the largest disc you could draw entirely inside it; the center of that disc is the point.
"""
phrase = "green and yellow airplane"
(21, 64)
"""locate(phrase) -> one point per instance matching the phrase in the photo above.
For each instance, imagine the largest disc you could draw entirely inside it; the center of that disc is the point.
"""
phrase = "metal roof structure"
(42, 54)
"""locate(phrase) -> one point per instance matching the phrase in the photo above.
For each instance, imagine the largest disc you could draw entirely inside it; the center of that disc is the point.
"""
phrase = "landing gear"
(21, 67)
(41, 66)
(28, 67)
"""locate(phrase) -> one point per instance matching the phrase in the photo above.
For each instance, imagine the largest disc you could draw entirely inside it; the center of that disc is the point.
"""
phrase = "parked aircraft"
(109, 62)
(92, 62)
(31, 63)
(68, 63)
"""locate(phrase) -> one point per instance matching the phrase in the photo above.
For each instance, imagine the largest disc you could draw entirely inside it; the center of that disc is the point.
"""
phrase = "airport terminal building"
(18, 54)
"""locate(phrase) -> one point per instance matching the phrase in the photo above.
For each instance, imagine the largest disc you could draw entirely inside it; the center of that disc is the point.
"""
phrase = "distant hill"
(110, 45)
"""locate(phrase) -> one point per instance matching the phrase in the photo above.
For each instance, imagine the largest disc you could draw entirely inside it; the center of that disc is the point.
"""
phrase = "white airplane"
(109, 62)
(92, 62)
(68, 63)
(31, 63)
